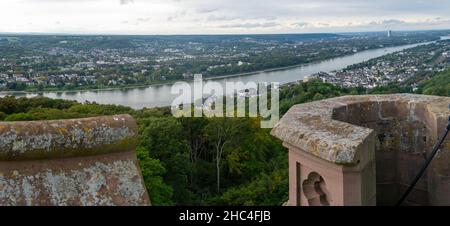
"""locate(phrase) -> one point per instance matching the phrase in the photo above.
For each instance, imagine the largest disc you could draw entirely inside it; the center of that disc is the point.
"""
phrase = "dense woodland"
(206, 161)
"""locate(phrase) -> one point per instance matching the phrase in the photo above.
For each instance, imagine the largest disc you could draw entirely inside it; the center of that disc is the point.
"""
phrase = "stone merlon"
(67, 138)
(330, 129)
(88, 161)
(366, 150)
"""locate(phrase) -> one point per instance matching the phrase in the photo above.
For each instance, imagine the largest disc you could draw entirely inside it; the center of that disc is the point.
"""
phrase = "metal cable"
(424, 168)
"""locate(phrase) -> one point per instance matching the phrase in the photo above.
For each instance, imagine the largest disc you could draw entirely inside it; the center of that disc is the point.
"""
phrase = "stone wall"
(400, 129)
(79, 162)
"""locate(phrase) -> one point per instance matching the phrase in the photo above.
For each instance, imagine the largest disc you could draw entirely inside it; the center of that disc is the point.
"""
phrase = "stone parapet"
(79, 162)
(356, 133)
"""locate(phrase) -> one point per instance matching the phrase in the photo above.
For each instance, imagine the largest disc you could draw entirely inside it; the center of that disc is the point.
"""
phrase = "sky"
(150, 17)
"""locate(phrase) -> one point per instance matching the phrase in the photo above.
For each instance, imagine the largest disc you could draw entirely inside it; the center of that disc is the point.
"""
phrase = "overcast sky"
(220, 16)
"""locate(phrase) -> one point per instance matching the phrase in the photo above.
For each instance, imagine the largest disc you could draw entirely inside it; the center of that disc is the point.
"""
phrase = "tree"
(221, 132)
(266, 190)
(8, 105)
(152, 172)
(40, 87)
(437, 85)
(20, 117)
(163, 139)
(2, 116)
(192, 129)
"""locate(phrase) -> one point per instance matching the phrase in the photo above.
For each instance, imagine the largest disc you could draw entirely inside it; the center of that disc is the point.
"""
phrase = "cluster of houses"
(397, 67)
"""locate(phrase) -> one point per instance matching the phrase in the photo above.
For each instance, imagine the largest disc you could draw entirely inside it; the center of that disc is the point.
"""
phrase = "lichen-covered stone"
(79, 162)
(334, 130)
(66, 138)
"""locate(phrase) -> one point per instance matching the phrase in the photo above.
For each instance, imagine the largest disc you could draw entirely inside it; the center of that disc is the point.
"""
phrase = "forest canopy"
(207, 161)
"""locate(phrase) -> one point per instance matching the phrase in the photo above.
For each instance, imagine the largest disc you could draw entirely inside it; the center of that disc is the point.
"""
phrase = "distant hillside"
(183, 38)
(438, 85)
(267, 37)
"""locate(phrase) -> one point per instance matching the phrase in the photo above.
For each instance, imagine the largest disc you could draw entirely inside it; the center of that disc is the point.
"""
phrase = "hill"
(178, 156)
(438, 85)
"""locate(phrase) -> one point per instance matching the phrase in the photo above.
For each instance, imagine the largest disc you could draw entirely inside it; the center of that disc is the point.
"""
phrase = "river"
(160, 95)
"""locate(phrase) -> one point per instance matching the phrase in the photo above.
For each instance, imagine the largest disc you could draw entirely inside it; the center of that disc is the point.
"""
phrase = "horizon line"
(199, 34)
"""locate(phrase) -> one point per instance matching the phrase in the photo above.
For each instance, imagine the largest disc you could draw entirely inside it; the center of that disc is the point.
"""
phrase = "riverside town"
(224, 111)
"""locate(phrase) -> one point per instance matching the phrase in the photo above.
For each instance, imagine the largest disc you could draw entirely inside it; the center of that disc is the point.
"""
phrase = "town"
(409, 66)
(54, 63)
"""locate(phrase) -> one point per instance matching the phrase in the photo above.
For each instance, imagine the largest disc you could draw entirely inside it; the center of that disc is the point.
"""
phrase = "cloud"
(146, 19)
(301, 24)
(206, 10)
(221, 16)
(392, 22)
(126, 2)
(251, 25)
(177, 15)
(389, 24)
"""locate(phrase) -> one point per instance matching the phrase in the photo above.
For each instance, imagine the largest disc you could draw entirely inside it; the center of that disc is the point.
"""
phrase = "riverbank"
(170, 82)
(161, 83)
(144, 96)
